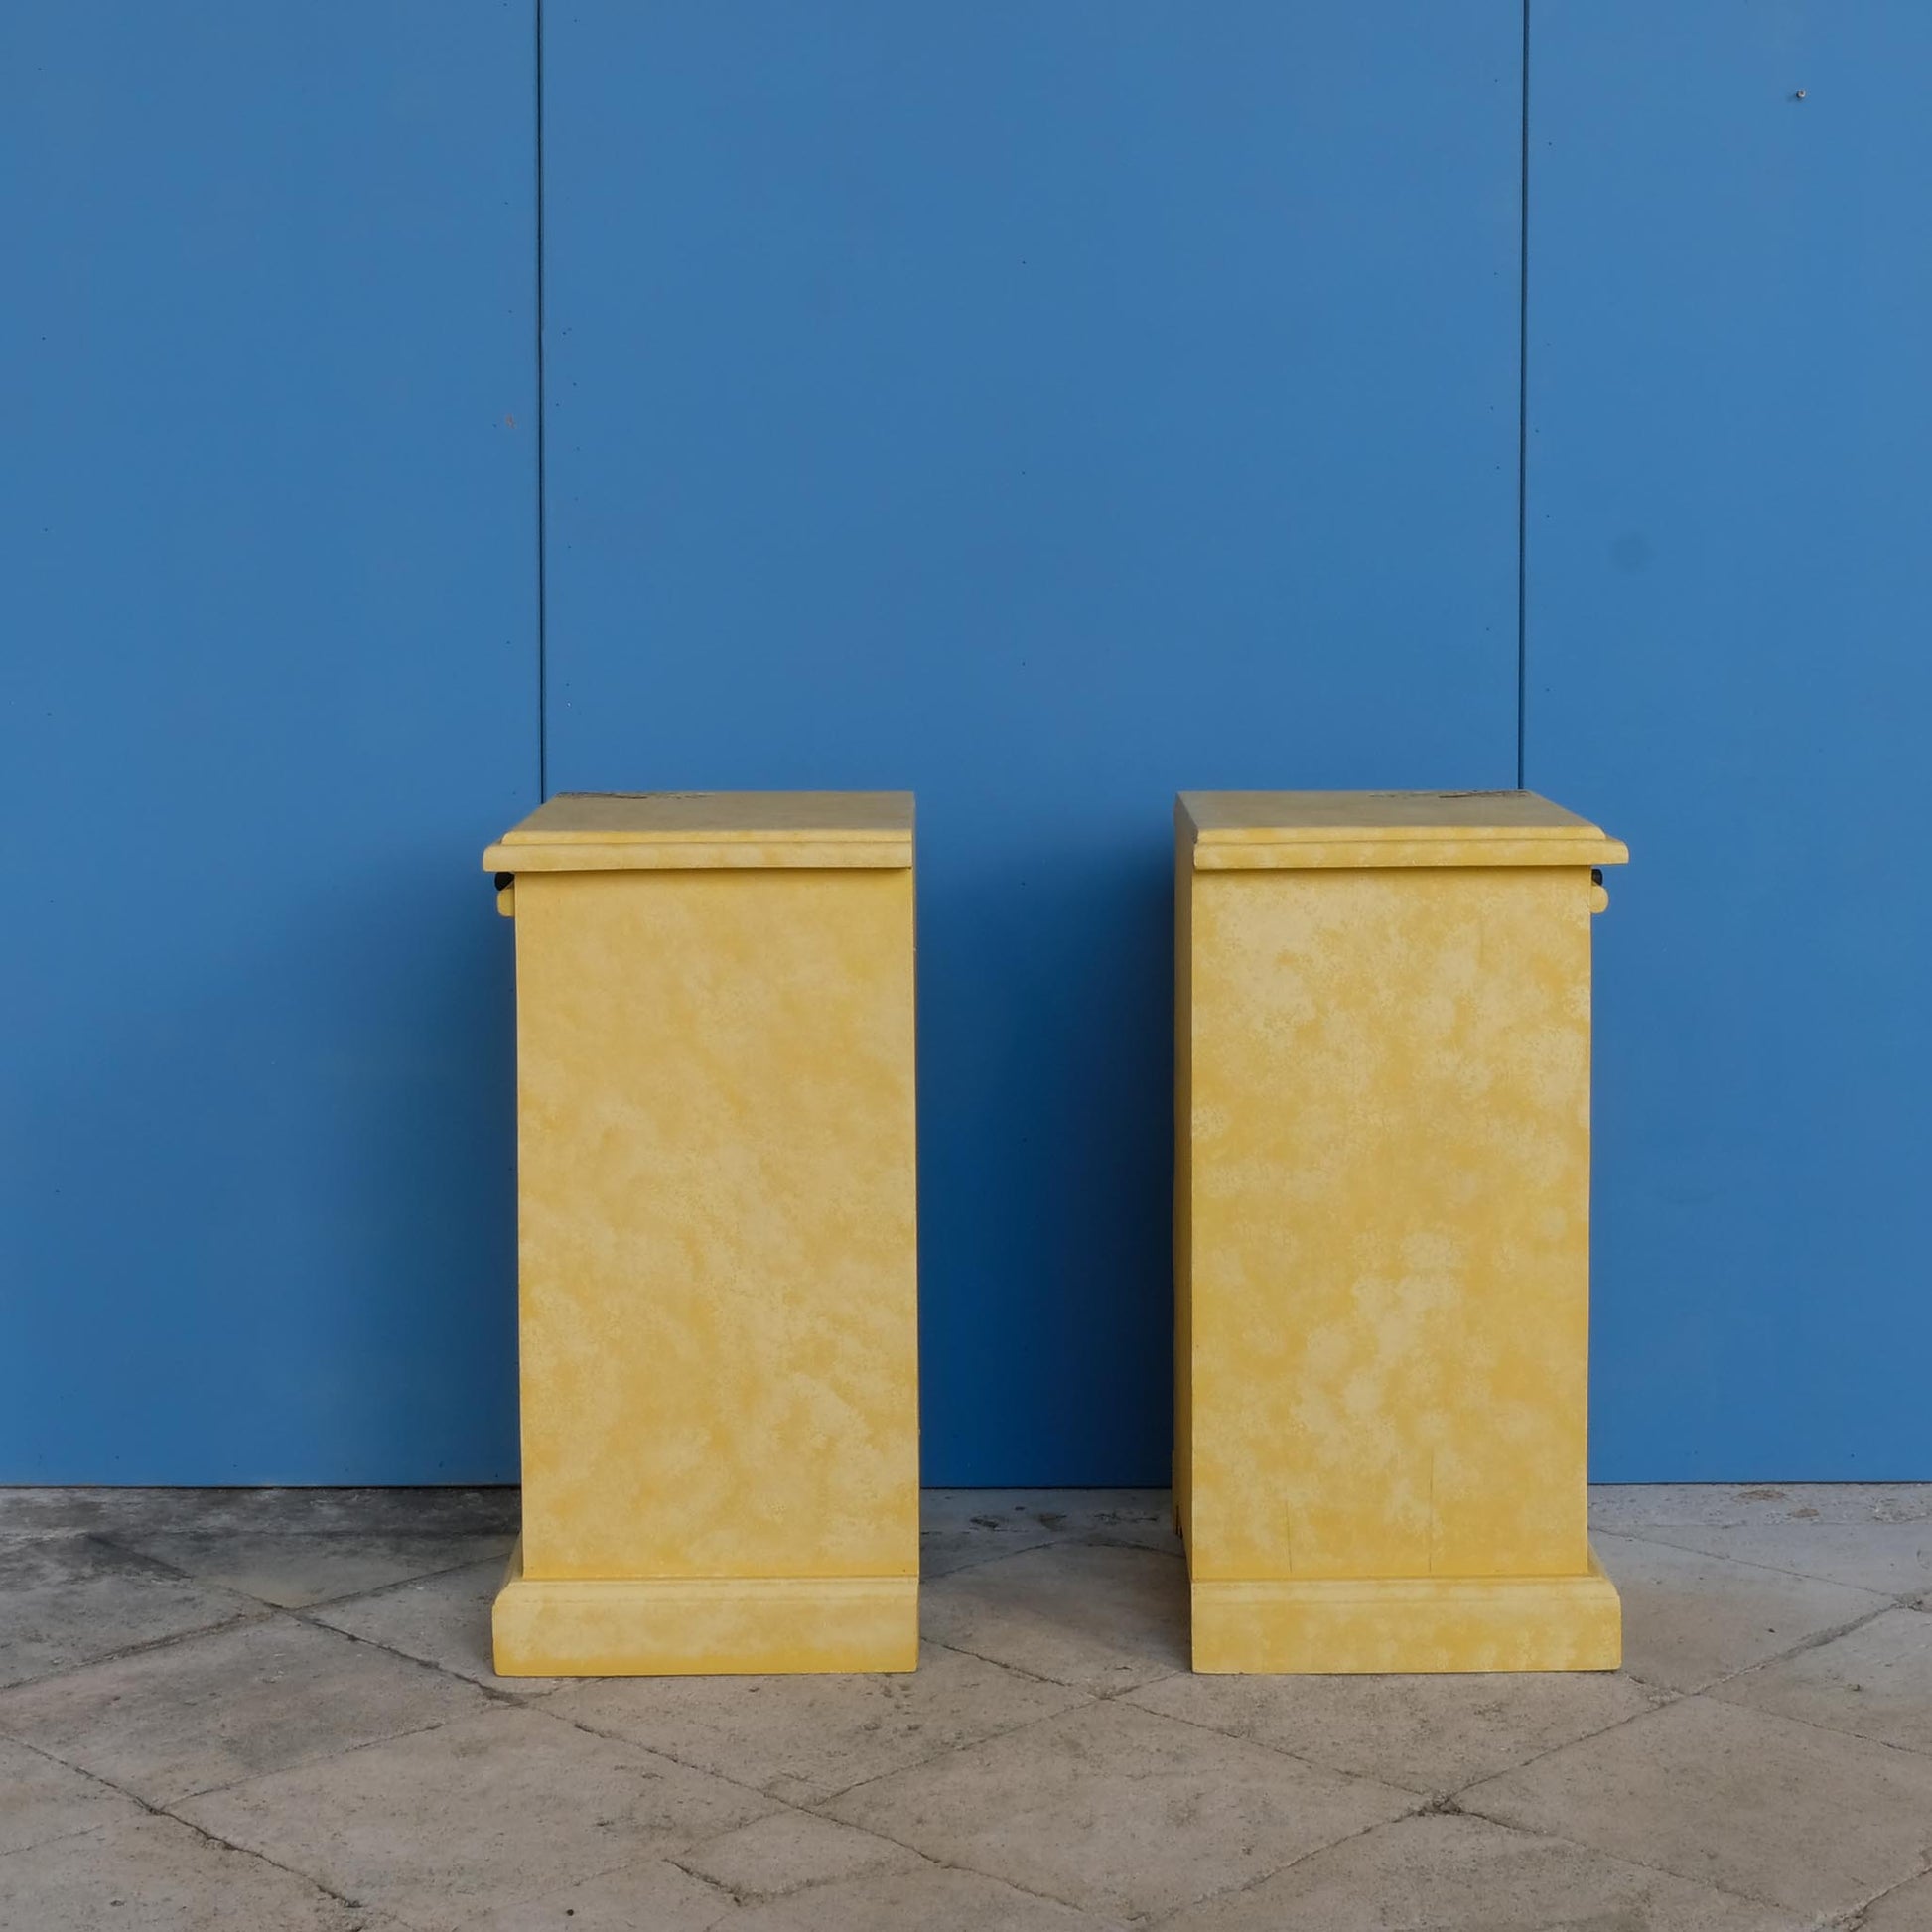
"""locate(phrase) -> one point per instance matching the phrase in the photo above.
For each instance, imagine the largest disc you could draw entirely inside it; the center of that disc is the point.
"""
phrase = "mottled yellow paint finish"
(1383, 1231)
(620, 831)
(1422, 1625)
(701, 1625)
(716, 1235)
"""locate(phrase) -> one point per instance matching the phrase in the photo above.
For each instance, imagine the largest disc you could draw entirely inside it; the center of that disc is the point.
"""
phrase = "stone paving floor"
(249, 1711)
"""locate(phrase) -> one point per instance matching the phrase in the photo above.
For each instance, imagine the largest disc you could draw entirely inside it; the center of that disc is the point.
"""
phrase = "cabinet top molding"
(1239, 831)
(630, 831)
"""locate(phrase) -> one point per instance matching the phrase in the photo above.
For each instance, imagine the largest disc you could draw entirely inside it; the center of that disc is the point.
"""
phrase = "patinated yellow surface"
(1383, 1231)
(608, 831)
(1425, 1624)
(702, 1625)
(717, 1236)
(1239, 831)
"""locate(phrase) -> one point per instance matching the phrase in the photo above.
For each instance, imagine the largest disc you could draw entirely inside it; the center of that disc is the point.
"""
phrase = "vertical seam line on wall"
(1523, 421)
(542, 533)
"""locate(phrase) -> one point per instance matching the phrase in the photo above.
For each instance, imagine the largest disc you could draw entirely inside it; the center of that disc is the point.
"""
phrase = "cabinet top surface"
(598, 830)
(1293, 829)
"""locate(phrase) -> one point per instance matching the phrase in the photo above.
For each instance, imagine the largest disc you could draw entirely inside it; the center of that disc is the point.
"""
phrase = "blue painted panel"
(1729, 606)
(270, 683)
(1043, 408)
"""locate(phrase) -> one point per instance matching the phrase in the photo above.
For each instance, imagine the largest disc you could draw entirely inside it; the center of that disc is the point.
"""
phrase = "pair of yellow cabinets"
(1381, 1241)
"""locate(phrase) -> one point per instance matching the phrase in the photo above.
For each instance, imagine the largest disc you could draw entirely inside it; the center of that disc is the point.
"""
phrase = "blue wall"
(1731, 661)
(1042, 408)
(270, 610)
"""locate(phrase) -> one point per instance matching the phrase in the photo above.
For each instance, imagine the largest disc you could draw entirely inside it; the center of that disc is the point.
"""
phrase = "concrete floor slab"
(1872, 1682)
(1052, 1767)
(1468, 1874)
(786, 1851)
(1908, 1910)
(652, 1895)
(1427, 1735)
(236, 1704)
(443, 1619)
(943, 1550)
(443, 1826)
(357, 1512)
(1690, 1619)
(1633, 1508)
(42, 1800)
(803, 1738)
(66, 1600)
(1102, 1617)
(293, 1570)
(930, 1898)
(1893, 1559)
(1118, 1811)
(1809, 1820)
(1874, 1535)
(1143, 1516)
(155, 1875)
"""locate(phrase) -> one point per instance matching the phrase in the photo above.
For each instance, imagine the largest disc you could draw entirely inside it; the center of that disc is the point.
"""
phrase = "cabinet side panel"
(1184, 1225)
(1390, 1127)
(718, 1224)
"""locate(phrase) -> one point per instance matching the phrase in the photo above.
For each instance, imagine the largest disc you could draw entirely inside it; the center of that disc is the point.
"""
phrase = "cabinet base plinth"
(702, 1627)
(1347, 1624)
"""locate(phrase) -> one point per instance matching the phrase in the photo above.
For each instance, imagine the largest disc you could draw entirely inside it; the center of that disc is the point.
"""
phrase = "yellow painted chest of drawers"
(717, 1221)
(1382, 1235)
